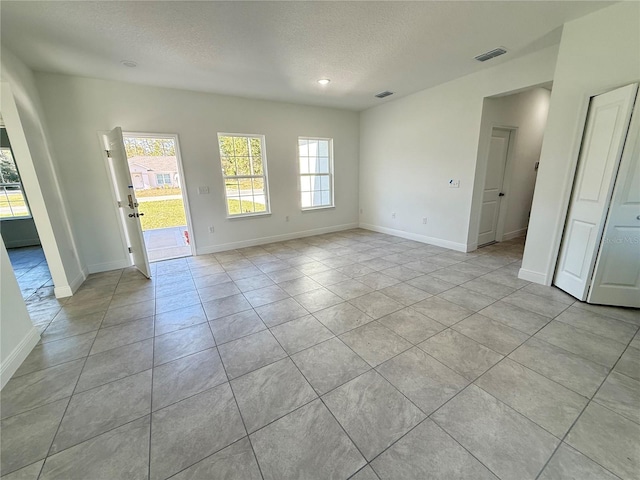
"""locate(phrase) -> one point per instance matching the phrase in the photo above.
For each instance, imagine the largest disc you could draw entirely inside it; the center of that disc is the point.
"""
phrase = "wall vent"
(496, 52)
(386, 93)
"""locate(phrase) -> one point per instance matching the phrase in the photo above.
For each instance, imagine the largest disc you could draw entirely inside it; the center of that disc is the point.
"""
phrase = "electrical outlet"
(424, 220)
(286, 219)
(393, 215)
(211, 229)
(203, 190)
(454, 183)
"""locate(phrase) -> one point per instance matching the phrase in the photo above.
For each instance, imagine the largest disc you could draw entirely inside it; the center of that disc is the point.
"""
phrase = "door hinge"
(130, 251)
(108, 152)
(119, 204)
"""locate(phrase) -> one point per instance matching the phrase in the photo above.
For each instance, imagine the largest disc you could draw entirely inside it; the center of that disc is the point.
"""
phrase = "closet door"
(602, 144)
(616, 279)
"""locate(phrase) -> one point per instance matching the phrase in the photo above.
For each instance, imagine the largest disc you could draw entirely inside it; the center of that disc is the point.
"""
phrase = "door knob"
(131, 215)
(501, 194)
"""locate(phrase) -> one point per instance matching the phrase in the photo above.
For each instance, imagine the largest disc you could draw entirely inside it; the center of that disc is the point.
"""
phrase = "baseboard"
(68, 290)
(438, 242)
(30, 242)
(531, 276)
(276, 238)
(472, 246)
(18, 355)
(107, 266)
(514, 234)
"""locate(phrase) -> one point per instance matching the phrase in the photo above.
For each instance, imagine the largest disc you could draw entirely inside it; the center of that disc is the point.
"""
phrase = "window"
(244, 169)
(316, 172)
(163, 178)
(13, 203)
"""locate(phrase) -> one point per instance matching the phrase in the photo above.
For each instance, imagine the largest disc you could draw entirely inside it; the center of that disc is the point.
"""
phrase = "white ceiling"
(278, 50)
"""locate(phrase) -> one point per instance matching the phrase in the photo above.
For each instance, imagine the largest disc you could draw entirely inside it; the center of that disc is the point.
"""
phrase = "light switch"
(203, 190)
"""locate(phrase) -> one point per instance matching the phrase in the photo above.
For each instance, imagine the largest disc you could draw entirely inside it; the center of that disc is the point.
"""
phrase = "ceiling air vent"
(496, 52)
(386, 93)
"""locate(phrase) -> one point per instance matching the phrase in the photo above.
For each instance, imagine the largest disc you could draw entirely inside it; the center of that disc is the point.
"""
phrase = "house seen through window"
(244, 170)
(316, 172)
(13, 202)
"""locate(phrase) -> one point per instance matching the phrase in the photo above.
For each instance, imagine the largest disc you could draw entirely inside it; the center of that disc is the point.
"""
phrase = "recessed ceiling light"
(129, 63)
(324, 81)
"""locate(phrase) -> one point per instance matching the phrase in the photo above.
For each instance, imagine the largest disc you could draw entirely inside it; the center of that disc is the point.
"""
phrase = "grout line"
(153, 361)
(53, 439)
(244, 425)
(349, 239)
(590, 400)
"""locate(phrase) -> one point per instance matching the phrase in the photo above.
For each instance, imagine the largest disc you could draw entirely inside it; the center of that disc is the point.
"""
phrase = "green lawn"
(16, 199)
(162, 214)
(157, 192)
(170, 213)
(234, 206)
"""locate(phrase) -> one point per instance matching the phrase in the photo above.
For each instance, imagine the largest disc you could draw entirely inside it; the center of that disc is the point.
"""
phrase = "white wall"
(598, 52)
(18, 336)
(410, 149)
(527, 113)
(78, 108)
(23, 118)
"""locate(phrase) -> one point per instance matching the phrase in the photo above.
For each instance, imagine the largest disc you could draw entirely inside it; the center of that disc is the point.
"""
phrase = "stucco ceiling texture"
(278, 50)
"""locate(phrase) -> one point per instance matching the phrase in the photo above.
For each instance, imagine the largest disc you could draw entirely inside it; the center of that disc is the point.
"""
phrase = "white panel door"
(492, 194)
(127, 198)
(602, 144)
(616, 279)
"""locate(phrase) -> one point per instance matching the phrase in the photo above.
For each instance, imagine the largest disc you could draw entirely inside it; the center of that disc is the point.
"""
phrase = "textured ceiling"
(278, 50)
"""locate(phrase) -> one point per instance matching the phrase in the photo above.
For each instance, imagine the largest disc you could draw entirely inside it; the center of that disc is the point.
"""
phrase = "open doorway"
(158, 180)
(18, 229)
(512, 129)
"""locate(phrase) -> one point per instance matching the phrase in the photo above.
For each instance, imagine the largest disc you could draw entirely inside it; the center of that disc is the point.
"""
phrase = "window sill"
(313, 209)
(5, 219)
(248, 215)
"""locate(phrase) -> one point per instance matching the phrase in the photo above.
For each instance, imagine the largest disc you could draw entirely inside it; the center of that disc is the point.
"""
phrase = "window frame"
(331, 174)
(264, 177)
(29, 215)
(164, 182)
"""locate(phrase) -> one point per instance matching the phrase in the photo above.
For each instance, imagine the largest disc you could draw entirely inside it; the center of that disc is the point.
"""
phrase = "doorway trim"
(183, 187)
(481, 177)
(579, 128)
(183, 180)
(63, 285)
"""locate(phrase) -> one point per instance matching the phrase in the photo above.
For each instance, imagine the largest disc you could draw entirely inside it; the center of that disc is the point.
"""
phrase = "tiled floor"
(31, 270)
(348, 355)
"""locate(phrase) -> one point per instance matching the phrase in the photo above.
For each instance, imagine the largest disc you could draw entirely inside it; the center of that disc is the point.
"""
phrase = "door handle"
(131, 215)
(501, 194)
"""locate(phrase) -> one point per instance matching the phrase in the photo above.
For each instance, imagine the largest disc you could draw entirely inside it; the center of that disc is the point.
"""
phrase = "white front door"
(616, 279)
(127, 198)
(492, 194)
(602, 144)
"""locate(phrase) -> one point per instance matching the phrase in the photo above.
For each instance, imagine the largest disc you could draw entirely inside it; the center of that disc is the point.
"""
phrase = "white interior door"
(616, 279)
(492, 194)
(602, 144)
(127, 199)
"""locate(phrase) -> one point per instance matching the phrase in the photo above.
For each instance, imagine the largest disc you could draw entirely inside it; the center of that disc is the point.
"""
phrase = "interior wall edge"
(18, 355)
